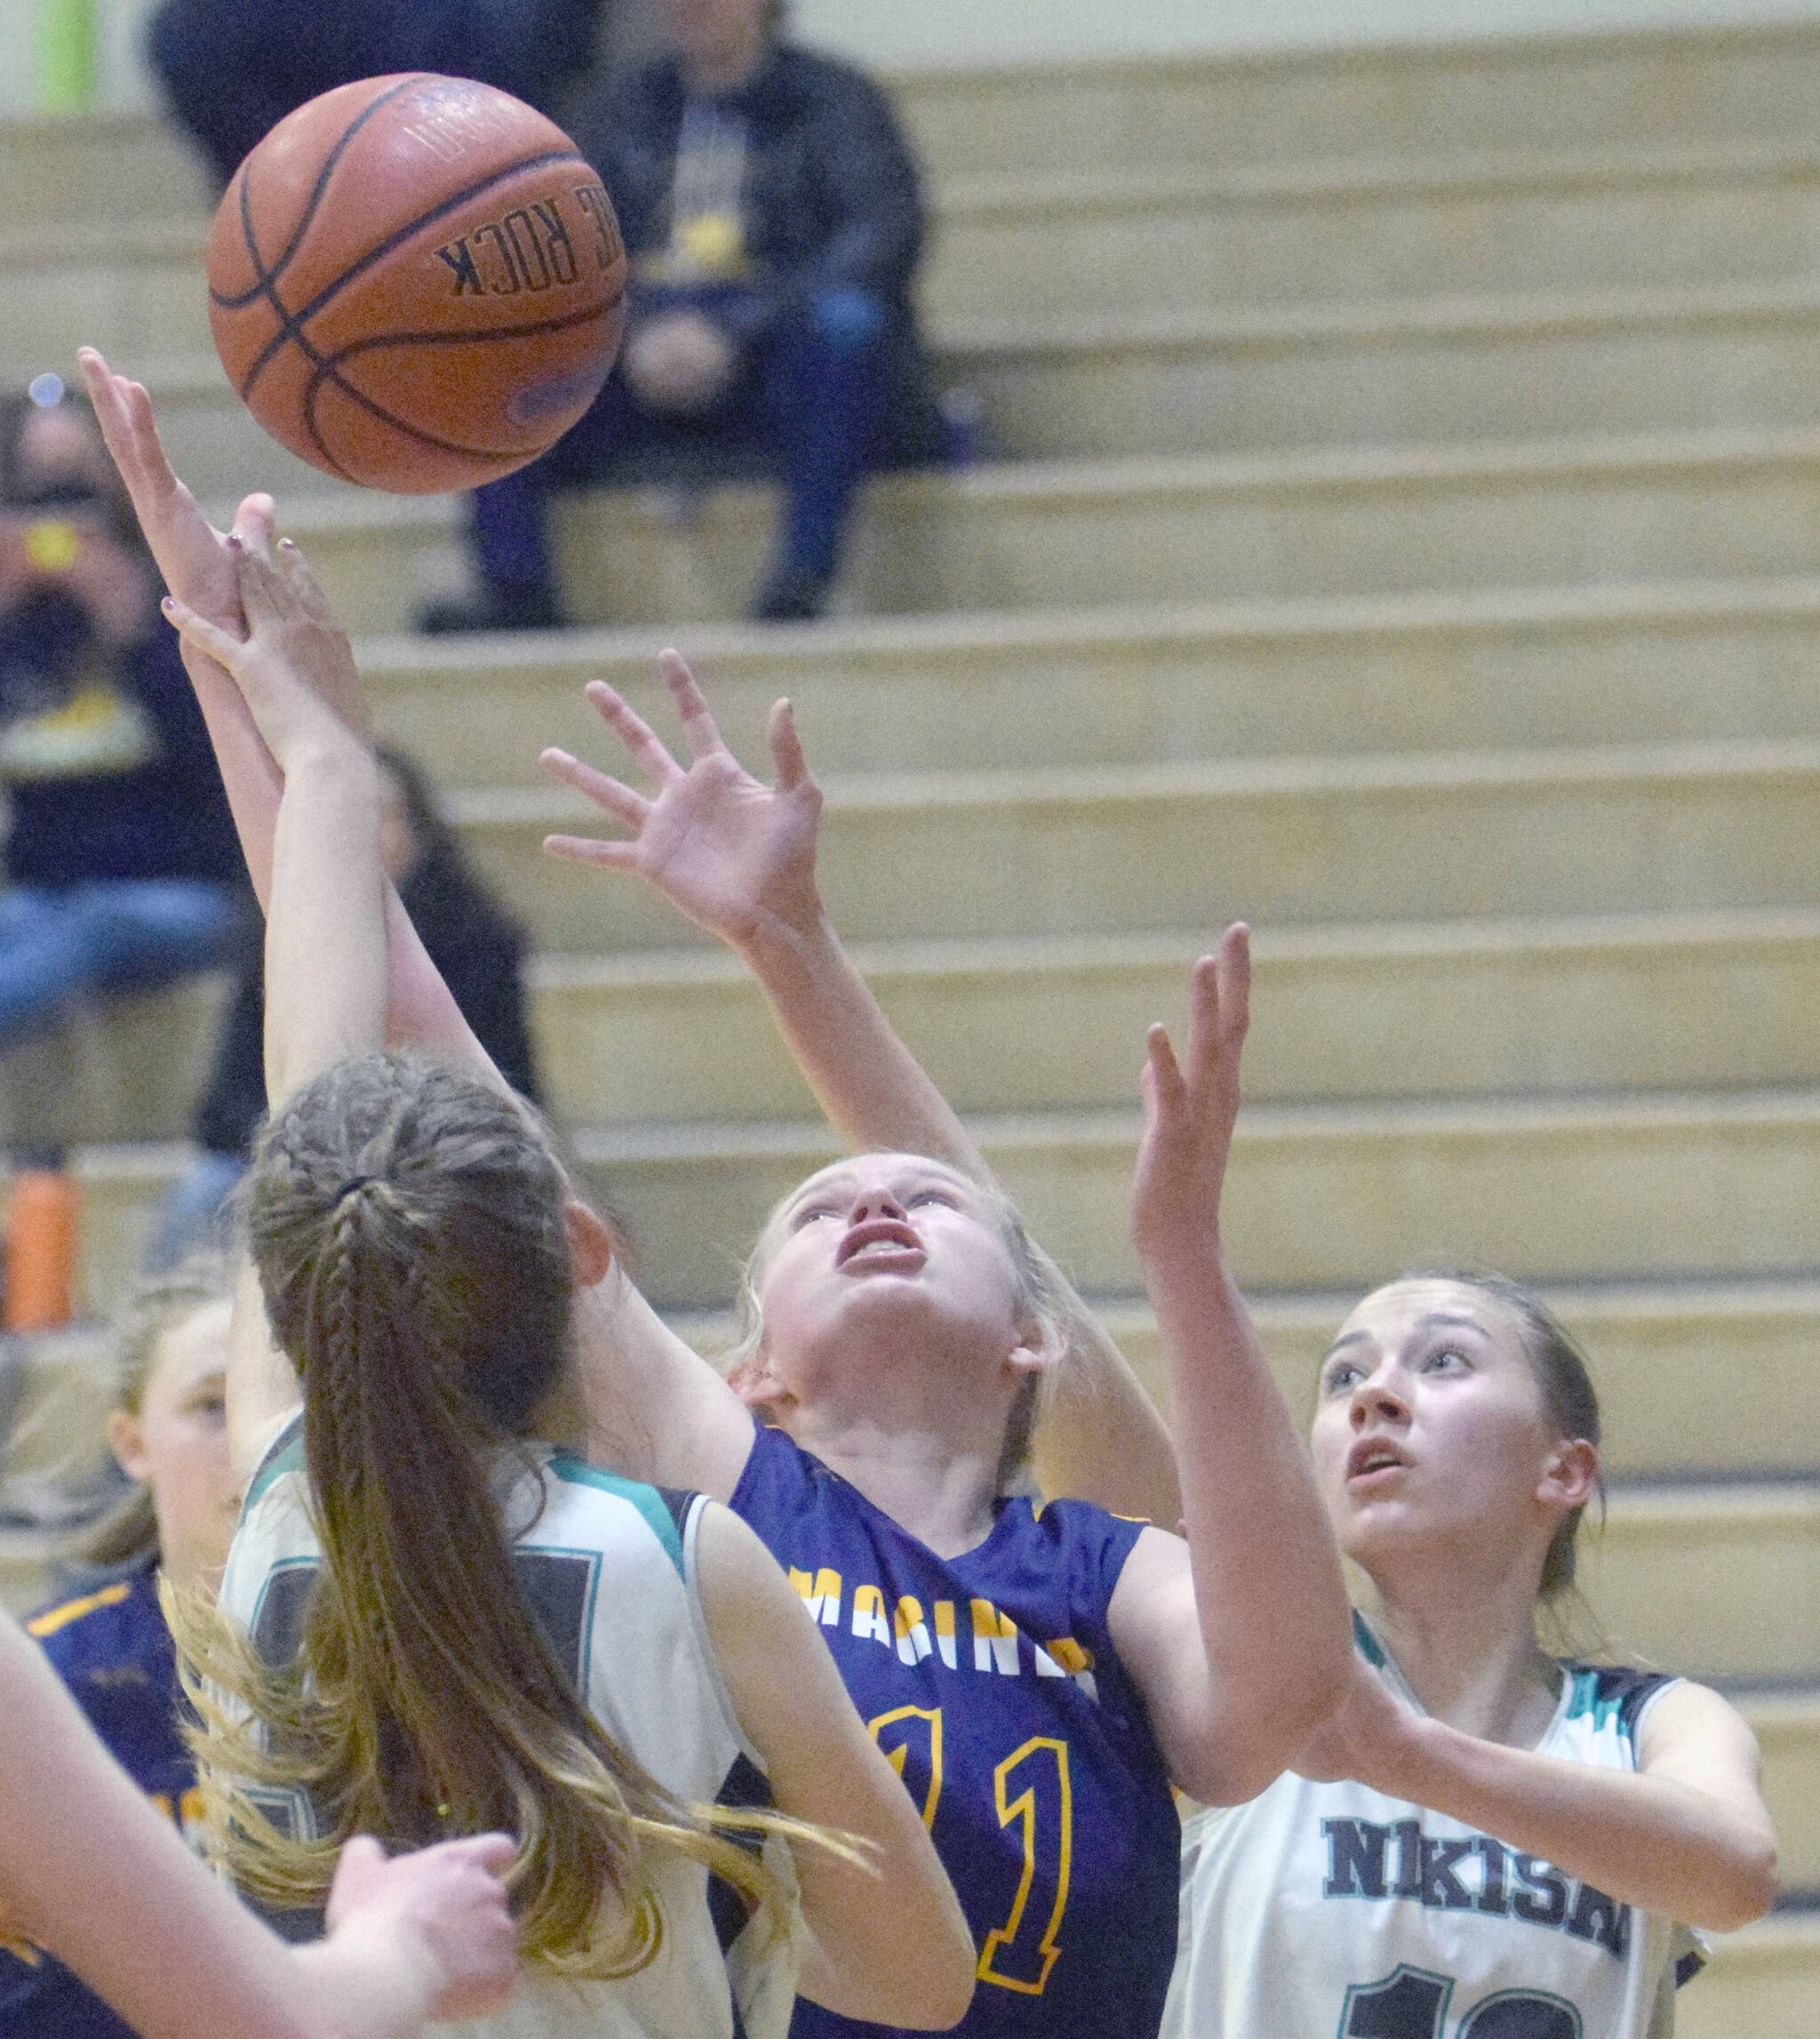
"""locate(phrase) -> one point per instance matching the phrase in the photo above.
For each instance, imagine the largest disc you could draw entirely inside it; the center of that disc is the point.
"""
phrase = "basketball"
(415, 283)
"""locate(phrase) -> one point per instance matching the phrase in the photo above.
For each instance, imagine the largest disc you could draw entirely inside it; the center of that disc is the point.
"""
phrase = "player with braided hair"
(434, 1617)
(1038, 1675)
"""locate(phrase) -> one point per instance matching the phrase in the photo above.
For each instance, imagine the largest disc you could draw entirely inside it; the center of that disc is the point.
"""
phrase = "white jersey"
(1329, 1911)
(608, 1567)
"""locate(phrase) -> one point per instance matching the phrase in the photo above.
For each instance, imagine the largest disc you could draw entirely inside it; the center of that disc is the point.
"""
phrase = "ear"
(126, 1439)
(1570, 1474)
(1041, 1351)
(757, 1387)
(590, 1243)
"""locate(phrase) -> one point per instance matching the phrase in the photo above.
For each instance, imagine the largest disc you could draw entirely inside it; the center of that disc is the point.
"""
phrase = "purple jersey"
(991, 1682)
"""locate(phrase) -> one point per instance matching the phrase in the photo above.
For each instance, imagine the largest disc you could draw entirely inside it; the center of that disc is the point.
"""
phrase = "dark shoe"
(791, 595)
(492, 608)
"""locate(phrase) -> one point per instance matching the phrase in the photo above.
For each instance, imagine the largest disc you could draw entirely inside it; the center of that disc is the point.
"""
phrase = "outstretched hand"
(294, 665)
(1190, 1106)
(733, 854)
(447, 1905)
(193, 557)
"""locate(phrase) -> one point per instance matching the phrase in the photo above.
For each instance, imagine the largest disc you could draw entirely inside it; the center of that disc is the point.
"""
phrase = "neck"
(943, 1494)
(1466, 1646)
(725, 69)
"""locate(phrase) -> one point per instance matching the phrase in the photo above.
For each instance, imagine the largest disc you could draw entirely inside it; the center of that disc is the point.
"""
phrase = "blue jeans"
(809, 395)
(56, 943)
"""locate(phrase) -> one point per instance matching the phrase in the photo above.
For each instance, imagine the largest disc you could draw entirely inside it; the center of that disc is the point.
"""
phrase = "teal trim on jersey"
(284, 1455)
(1604, 1709)
(1368, 1646)
(646, 1500)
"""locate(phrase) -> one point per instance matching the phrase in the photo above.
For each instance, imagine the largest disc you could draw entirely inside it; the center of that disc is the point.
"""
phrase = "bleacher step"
(1523, 669)
(1278, 842)
(1577, 513)
(1418, 1011)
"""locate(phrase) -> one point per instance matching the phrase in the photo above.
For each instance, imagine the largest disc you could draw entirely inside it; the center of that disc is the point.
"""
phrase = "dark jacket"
(235, 69)
(477, 949)
(832, 199)
(165, 817)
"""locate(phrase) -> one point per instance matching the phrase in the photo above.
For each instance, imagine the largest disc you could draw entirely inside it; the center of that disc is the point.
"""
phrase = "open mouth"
(1372, 1456)
(880, 1242)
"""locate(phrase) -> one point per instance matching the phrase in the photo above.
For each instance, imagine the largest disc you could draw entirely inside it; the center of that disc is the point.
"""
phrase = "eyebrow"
(1433, 1320)
(818, 1185)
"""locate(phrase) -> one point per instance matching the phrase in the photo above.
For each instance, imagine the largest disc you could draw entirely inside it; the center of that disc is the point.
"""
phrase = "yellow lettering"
(821, 1596)
(869, 1619)
(994, 1640)
(913, 1636)
(945, 1632)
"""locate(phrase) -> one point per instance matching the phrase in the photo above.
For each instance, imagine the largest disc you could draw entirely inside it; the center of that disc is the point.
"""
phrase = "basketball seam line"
(327, 371)
(315, 198)
(291, 325)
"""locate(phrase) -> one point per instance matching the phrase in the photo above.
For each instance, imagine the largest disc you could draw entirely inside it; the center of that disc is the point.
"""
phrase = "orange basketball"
(415, 283)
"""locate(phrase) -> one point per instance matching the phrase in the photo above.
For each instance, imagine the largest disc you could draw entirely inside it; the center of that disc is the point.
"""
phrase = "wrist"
(1180, 1247)
(1412, 1757)
(784, 942)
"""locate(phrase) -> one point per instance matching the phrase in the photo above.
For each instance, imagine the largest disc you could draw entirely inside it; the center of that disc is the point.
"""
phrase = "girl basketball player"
(1617, 1794)
(1036, 1676)
(1487, 1843)
(418, 1594)
(90, 1871)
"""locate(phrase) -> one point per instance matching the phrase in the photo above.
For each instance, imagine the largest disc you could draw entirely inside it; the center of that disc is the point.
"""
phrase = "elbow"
(1748, 1887)
(1255, 1741)
(933, 1990)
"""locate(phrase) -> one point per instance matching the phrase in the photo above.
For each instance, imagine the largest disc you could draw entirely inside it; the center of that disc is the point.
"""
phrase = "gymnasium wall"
(963, 32)
(925, 32)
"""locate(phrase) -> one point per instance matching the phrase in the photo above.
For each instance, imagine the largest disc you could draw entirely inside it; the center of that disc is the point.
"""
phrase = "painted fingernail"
(234, 540)
(168, 606)
(287, 545)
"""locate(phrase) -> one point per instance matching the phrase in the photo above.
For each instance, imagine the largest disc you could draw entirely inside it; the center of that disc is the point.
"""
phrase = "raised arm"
(94, 1873)
(197, 563)
(325, 922)
(889, 1942)
(1241, 1640)
(738, 858)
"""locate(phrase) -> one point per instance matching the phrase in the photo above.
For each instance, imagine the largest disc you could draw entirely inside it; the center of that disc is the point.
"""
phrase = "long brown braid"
(407, 1224)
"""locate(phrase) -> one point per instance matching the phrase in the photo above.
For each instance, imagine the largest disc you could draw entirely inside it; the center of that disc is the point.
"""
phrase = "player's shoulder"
(1082, 1526)
(576, 1487)
(1609, 1700)
(104, 1618)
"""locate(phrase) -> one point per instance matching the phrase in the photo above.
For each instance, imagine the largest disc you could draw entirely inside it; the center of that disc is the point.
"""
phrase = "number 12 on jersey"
(1031, 1789)
(1411, 2003)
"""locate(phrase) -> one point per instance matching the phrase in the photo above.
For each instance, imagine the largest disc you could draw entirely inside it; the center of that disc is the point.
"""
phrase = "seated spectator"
(472, 940)
(125, 870)
(106, 1638)
(771, 211)
(233, 70)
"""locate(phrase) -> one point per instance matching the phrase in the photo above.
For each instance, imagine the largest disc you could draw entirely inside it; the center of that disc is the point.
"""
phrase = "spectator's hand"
(734, 855)
(1190, 1108)
(192, 556)
(679, 361)
(443, 1906)
(294, 666)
